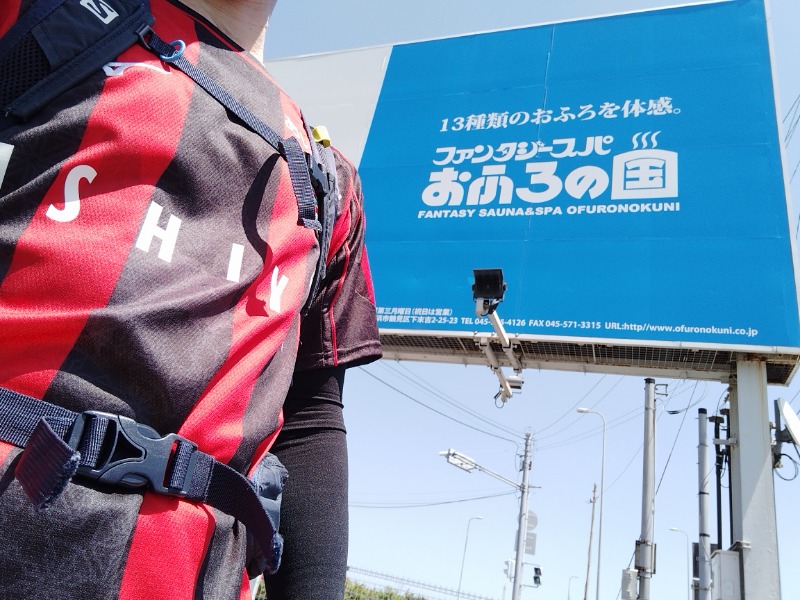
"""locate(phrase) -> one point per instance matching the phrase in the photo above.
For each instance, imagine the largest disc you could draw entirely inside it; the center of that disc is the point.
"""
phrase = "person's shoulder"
(347, 180)
(343, 163)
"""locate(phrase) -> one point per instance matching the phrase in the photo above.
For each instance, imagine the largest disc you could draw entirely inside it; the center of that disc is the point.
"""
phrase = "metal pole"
(717, 420)
(467, 464)
(589, 558)
(602, 495)
(704, 549)
(645, 546)
(755, 533)
(522, 528)
(726, 412)
(464, 556)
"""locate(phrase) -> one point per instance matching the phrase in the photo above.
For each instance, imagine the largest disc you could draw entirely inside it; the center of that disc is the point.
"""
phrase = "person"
(154, 269)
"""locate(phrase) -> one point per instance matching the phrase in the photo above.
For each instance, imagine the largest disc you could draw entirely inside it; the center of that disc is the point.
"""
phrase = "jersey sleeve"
(340, 327)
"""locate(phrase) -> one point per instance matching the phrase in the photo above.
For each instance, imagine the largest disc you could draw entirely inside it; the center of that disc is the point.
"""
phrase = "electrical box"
(725, 581)
(629, 580)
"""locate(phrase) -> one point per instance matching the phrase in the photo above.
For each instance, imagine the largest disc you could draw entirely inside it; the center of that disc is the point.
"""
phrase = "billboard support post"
(755, 534)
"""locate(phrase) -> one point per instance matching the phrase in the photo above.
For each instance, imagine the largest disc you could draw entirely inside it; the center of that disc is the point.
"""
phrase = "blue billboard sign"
(625, 172)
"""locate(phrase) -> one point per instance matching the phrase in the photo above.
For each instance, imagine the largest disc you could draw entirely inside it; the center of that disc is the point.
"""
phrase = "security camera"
(485, 307)
(515, 382)
(488, 290)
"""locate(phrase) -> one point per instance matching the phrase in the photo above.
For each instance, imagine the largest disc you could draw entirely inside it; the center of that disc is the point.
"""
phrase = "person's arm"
(338, 331)
(314, 513)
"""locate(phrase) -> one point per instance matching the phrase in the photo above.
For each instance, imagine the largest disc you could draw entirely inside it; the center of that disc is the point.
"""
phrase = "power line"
(431, 389)
(791, 179)
(794, 119)
(793, 107)
(630, 462)
(572, 408)
(592, 432)
(791, 402)
(675, 441)
(438, 412)
(696, 402)
(426, 504)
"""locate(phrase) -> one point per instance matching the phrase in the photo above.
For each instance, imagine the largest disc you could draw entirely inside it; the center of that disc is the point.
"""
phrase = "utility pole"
(522, 527)
(467, 464)
(589, 558)
(644, 547)
(602, 497)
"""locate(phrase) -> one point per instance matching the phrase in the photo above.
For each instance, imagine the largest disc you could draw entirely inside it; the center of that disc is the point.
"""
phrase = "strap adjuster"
(320, 181)
(130, 454)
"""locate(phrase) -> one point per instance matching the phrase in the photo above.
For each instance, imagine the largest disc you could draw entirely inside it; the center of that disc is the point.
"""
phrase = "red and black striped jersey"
(152, 265)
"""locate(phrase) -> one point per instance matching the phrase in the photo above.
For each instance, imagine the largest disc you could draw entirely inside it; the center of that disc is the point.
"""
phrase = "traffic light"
(509, 570)
(537, 576)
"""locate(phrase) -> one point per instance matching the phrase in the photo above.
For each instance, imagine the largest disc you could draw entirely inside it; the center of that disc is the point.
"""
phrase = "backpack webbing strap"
(323, 170)
(289, 149)
(56, 44)
(115, 450)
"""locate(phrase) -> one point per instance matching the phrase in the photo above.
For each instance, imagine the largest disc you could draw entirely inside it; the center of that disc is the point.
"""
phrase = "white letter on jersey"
(235, 263)
(72, 201)
(5, 158)
(150, 229)
(277, 290)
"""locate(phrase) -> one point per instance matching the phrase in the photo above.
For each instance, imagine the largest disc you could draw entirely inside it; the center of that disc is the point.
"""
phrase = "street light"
(688, 561)
(467, 464)
(464, 556)
(569, 586)
(586, 411)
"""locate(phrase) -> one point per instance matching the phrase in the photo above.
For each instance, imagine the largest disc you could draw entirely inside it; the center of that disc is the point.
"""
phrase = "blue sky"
(409, 512)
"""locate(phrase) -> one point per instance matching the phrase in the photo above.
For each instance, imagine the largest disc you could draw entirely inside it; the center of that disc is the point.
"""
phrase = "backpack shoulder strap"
(56, 44)
(324, 180)
(301, 166)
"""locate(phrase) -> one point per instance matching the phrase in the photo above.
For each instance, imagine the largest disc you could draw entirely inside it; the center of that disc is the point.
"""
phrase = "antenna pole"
(716, 419)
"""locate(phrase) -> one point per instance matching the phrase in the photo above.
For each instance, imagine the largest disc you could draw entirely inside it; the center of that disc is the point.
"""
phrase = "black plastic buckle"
(141, 32)
(132, 455)
(320, 181)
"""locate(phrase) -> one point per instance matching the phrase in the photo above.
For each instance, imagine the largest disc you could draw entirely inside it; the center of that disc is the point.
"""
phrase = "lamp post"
(688, 561)
(569, 586)
(586, 411)
(464, 556)
(467, 464)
